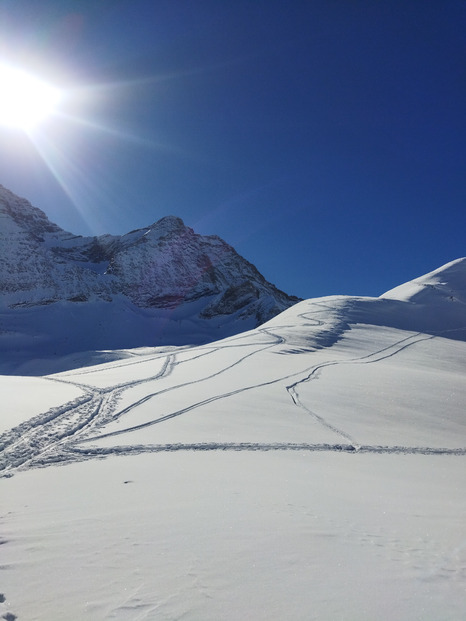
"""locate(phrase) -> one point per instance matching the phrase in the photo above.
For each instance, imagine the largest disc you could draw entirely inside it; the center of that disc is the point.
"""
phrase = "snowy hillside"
(61, 294)
(311, 468)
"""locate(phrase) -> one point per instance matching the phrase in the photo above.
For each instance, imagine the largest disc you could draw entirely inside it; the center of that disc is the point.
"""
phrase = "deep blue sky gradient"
(325, 140)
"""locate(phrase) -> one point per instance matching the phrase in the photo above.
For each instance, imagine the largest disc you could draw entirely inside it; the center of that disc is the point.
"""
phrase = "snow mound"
(447, 283)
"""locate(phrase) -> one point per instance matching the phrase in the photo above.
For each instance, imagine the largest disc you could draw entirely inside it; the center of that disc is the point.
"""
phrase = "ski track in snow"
(259, 446)
(54, 436)
(382, 354)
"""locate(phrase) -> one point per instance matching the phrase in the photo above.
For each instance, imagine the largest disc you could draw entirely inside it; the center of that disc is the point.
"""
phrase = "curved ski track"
(56, 436)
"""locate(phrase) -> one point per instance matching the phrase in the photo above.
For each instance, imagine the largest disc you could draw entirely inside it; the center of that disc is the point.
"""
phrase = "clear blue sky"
(325, 140)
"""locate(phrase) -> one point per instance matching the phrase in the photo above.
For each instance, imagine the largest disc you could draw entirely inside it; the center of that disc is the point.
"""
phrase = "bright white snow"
(313, 468)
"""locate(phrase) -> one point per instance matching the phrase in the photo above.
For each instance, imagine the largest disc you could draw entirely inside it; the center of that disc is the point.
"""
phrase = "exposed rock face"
(163, 266)
(39, 262)
(167, 264)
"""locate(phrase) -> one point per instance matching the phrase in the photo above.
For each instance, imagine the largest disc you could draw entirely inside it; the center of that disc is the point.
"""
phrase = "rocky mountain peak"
(169, 224)
(31, 220)
(162, 283)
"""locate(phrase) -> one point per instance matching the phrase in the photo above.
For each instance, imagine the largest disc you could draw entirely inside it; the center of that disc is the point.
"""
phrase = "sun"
(25, 100)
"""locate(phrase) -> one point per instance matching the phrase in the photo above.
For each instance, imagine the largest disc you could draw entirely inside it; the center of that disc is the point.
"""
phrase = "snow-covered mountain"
(60, 293)
(310, 468)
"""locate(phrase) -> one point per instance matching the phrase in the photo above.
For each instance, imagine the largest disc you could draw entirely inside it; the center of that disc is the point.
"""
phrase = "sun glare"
(25, 100)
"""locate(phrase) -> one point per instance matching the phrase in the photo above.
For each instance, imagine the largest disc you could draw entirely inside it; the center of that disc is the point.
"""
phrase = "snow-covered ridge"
(61, 293)
(433, 304)
(158, 266)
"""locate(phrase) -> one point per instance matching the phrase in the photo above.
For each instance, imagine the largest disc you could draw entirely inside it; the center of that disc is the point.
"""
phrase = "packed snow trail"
(43, 433)
(26, 444)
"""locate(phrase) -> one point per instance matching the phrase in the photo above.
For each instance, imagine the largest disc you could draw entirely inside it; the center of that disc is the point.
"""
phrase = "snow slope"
(311, 468)
(445, 283)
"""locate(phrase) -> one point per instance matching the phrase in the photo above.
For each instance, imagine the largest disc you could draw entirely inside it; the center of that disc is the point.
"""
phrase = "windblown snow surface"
(312, 468)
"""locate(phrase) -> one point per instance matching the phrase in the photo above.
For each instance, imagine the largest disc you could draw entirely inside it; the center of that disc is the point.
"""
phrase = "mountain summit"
(163, 284)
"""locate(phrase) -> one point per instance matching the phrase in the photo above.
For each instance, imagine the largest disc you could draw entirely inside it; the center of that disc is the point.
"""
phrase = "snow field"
(238, 535)
(311, 469)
